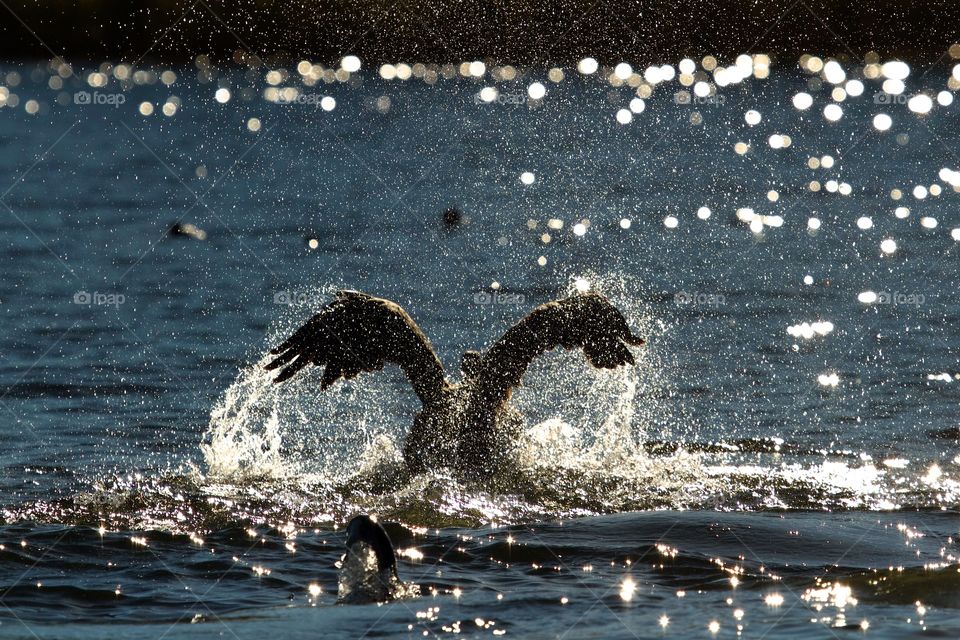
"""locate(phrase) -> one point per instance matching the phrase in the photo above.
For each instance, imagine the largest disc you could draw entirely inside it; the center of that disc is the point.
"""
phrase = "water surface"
(747, 473)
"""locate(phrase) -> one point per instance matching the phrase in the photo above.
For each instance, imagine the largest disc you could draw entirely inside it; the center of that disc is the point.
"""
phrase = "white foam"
(262, 430)
(244, 432)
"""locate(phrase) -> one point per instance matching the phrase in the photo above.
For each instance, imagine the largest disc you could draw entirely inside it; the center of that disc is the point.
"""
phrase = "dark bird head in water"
(363, 529)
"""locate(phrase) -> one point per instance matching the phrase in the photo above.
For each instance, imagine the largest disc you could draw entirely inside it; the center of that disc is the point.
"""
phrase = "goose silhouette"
(468, 426)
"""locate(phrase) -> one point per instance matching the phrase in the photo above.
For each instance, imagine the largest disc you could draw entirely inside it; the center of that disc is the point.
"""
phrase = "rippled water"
(750, 471)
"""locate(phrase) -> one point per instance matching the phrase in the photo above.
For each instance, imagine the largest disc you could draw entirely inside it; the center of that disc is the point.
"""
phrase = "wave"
(267, 462)
(597, 442)
(830, 562)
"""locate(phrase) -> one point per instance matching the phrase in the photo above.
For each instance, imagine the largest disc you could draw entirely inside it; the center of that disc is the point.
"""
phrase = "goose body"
(469, 426)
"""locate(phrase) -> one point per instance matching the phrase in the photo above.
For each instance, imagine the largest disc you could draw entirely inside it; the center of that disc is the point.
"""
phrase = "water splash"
(244, 435)
(263, 431)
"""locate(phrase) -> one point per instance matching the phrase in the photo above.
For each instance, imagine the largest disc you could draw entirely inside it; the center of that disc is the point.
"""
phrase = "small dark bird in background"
(187, 230)
(453, 218)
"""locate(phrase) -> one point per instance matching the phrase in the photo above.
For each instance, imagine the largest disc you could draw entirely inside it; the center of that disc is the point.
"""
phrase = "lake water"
(782, 461)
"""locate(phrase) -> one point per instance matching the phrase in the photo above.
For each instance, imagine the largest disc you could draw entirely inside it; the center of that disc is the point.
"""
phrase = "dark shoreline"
(518, 32)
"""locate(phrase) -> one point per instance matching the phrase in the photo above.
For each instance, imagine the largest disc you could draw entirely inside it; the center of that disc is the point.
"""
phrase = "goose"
(468, 426)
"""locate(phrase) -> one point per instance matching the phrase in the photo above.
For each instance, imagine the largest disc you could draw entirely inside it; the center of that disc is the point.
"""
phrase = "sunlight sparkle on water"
(809, 330)
(627, 589)
(833, 112)
(834, 594)
(802, 101)
(895, 70)
(828, 379)
(411, 553)
(477, 69)
(933, 474)
(350, 64)
(920, 103)
(623, 71)
(896, 463)
(834, 73)
(587, 66)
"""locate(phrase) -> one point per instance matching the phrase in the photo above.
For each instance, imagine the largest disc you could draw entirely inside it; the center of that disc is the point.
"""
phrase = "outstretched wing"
(355, 333)
(586, 320)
